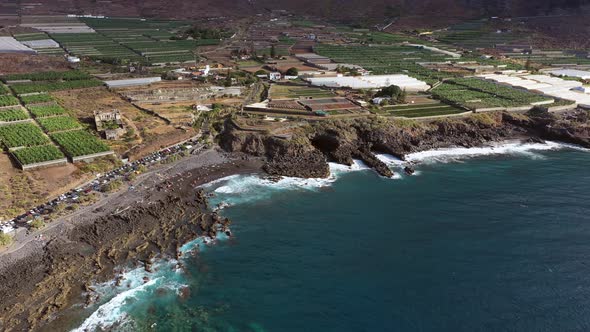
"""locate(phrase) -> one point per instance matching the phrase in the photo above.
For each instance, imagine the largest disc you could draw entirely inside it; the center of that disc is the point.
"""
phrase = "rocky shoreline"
(165, 210)
(307, 153)
(133, 227)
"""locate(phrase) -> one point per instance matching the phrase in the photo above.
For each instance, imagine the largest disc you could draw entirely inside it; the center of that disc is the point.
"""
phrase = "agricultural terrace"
(79, 143)
(36, 99)
(387, 59)
(478, 34)
(424, 110)
(475, 93)
(95, 46)
(41, 111)
(378, 37)
(295, 92)
(120, 40)
(4, 90)
(59, 123)
(13, 114)
(34, 87)
(37, 154)
(22, 134)
(397, 60)
(8, 101)
(73, 75)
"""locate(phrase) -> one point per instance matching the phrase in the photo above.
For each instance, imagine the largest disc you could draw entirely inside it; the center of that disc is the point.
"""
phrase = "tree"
(37, 224)
(392, 91)
(401, 98)
(273, 52)
(292, 72)
(5, 239)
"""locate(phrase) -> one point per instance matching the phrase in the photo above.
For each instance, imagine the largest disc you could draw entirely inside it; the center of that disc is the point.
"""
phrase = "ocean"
(489, 239)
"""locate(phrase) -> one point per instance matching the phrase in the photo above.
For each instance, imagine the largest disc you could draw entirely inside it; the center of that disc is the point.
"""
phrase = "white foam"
(458, 154)
(112, 312)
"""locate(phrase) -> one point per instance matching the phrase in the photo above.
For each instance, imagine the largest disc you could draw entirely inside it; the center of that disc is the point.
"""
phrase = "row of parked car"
(73, 196)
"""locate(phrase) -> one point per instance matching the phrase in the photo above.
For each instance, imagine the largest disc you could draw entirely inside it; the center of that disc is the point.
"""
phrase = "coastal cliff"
(309, 149)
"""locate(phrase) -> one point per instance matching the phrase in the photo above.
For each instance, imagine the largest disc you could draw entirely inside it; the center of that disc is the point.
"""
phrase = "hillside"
(339, 9)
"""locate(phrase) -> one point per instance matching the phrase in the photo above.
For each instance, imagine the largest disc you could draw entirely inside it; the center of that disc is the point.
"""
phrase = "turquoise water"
(492, 242)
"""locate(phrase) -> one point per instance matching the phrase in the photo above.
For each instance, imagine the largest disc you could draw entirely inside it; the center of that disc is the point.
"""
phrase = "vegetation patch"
(22, 134)
(46, 110)
(36, 99)
(37, 154)
(50, 76)
(79, 143)
(13, 114)
(43, 86)
(8, 101)
(58, 123)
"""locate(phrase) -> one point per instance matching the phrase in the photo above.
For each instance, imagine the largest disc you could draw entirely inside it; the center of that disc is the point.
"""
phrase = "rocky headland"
(307, 152)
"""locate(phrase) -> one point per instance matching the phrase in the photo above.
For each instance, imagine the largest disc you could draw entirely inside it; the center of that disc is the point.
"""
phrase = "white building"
(11, 45)
(545, 84)
(585, 75)
(405, 82)
(274, 76)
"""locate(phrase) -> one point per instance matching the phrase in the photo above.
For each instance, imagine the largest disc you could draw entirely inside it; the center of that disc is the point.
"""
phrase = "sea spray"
(132, 290)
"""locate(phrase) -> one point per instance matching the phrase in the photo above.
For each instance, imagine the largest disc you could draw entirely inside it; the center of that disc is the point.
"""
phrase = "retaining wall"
(51, 163)
(90, 157)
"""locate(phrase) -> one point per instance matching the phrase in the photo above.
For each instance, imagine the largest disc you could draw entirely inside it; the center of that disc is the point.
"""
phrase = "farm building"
(110, 123)
(547, 85)
(11, 45)
(370, 82)
(43, 43)
(132, 82)
(585, 75)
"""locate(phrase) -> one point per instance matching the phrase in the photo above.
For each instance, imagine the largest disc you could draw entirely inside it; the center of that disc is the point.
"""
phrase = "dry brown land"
(21, 191)
(21, 63)
(150, 133)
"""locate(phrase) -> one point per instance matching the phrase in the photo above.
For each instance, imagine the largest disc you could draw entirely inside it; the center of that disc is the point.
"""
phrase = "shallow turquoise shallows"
(491, 243)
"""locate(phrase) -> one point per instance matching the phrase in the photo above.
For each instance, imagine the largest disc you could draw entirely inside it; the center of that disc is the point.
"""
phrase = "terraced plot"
(36, 99)
(416, 111)
(42, 111)
(59, 123)
(387, 59)
(13, 114)
(295, 92)
(41, 86)
(474, 93)
(37, 154)
(79, 143)
(22, 134)
(8, 101)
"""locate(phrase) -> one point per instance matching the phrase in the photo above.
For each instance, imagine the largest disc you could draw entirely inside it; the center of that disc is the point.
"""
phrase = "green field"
(294, 92)
(475, 93)
(22, 134)
(37, 154)
(387, 59)
(24, 88)
(79, 143)
(42, 111)
(13, 114)
(72, 75)
(123, 40)
(8, 101)
(4, 90)
(425, 111)
(59, 123)
(36, 99)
